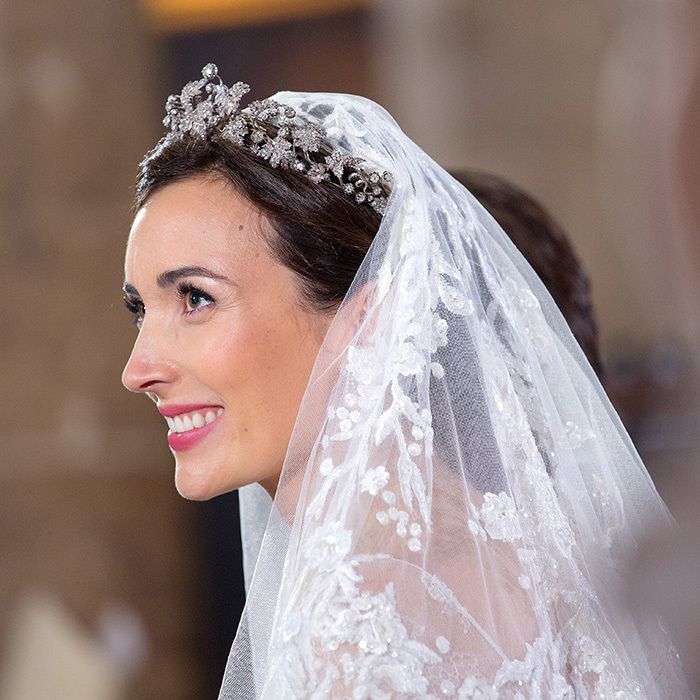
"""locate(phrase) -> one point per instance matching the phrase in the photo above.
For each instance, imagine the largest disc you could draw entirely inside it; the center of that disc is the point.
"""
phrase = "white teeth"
(184, 423)
(198, 421)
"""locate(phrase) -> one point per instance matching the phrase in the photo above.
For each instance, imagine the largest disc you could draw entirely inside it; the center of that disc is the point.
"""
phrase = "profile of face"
(225, 347)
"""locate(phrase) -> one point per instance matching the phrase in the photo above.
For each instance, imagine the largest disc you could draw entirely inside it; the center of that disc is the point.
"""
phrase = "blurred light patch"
(195, 15)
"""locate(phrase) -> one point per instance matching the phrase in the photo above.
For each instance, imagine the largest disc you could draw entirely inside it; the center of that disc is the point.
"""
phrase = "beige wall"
(575, 103)
(88, 511)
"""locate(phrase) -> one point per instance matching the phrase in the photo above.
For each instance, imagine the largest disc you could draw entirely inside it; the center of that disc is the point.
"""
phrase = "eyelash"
(186, 288)
(136, 308)
(133, 307)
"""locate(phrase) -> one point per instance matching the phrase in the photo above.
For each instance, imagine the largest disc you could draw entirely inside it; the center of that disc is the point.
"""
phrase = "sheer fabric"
(458, 492)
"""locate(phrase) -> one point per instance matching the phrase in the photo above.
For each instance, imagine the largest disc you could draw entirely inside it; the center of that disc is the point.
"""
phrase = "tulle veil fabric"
(458, 493)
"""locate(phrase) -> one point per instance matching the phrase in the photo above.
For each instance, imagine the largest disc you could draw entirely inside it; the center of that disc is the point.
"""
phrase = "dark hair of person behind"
(545, 246)
(322, 234)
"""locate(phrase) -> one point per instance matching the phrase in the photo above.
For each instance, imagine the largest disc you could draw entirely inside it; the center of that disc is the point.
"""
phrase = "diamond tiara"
(271, 131)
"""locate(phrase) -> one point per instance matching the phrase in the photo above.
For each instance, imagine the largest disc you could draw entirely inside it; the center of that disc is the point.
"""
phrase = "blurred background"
(112, 585)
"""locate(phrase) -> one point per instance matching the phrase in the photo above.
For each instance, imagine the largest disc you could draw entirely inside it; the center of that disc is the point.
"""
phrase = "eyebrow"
(168, 278)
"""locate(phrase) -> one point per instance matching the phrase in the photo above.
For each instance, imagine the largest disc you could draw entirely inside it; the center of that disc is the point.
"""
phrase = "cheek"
(260, 367)
(231, 359)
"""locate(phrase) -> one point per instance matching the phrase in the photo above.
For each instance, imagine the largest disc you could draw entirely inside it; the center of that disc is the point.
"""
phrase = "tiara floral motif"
(271, 131)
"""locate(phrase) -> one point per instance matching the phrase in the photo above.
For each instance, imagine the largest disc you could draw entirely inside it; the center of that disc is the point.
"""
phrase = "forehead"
(197, 221)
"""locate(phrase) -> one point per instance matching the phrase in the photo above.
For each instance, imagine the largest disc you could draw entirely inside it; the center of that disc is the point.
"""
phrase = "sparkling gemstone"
(210, 70)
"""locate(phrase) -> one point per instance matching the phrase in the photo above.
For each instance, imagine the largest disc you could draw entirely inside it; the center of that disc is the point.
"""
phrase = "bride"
(437, 496)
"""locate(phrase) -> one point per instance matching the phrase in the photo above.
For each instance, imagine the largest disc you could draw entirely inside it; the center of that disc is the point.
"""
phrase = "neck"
(270, 483)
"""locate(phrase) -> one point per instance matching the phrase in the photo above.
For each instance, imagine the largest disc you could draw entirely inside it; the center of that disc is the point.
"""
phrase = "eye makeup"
(185, 291)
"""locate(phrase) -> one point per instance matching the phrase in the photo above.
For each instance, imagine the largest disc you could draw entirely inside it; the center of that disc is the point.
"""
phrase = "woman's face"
(228, 341)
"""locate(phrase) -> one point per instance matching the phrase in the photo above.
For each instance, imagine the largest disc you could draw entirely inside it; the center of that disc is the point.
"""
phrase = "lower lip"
(187, 440)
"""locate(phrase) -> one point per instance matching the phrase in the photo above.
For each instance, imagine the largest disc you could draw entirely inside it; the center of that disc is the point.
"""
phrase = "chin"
(195, 486)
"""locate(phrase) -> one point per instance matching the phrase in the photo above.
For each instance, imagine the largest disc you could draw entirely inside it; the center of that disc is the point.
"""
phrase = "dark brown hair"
(546, 247)
(322, 234)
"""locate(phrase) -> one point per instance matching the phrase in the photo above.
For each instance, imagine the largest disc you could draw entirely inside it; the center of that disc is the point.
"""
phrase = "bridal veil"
(458, 494)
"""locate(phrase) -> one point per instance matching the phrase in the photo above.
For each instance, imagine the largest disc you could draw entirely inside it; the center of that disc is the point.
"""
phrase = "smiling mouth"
(185, 422)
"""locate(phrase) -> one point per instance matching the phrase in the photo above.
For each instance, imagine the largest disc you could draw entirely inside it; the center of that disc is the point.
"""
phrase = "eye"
(135, 307)
(195, 297)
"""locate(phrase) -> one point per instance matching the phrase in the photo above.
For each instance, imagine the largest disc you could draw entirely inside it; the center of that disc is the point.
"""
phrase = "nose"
(147, 366)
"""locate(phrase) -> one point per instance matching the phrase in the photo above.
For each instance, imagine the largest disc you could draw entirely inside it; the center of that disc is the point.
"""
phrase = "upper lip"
(176, 409)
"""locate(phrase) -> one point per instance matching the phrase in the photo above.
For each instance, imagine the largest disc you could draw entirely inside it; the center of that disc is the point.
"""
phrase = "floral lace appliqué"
(496, 516)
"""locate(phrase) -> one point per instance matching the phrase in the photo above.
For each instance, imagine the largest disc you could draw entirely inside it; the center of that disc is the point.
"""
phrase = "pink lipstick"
(182, 435)
(190, 438)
